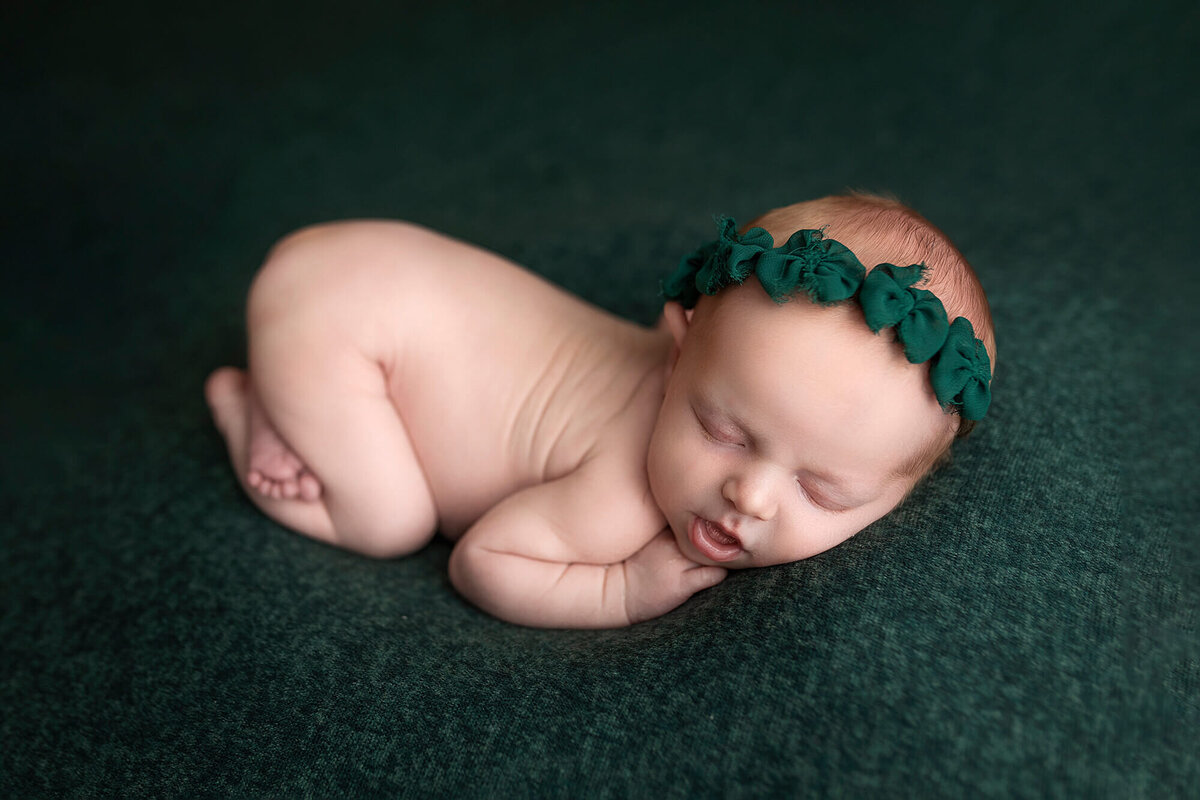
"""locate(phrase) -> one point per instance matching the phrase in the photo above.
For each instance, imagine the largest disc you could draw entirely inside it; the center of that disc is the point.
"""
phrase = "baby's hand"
(660, 577)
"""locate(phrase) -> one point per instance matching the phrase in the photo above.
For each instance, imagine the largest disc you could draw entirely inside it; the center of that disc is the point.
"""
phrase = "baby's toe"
(310, 487)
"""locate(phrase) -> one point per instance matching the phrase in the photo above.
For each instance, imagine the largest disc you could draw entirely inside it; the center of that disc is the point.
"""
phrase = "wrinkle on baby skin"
(585, 387)
(534, 436)
(627, 384)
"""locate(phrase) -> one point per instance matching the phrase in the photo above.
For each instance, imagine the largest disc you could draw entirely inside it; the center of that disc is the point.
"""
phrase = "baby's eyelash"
(815, 499)
(716, 438)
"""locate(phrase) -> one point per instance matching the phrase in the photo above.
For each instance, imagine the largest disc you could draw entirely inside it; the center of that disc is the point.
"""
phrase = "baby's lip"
(714, 540)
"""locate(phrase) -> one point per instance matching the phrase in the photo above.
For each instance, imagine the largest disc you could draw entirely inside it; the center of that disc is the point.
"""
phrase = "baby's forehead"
(746, 308)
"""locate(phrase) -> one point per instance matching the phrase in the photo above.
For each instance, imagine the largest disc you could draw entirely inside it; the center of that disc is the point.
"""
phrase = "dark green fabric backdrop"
(1024, 626)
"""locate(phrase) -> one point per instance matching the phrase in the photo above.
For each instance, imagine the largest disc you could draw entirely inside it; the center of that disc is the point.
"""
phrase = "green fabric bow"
(961, 372)
(888, 300)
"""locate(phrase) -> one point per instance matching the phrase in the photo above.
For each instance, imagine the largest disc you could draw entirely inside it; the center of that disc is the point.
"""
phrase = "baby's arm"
(584, 551)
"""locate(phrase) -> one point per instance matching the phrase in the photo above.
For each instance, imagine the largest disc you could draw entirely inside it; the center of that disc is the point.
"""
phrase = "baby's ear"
(677, 320)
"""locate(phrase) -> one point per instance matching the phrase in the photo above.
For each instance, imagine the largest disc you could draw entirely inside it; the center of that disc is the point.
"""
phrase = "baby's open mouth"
(713, 541)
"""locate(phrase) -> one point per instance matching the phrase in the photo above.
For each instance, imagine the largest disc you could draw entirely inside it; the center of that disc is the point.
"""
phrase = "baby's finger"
(704, 577)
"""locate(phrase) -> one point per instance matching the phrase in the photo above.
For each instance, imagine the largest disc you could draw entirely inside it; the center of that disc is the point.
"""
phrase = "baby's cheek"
(658, 469)
(671, 468)
(815, 541)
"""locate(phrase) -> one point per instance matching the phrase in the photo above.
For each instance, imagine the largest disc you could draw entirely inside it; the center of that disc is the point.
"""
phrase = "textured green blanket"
(1026, 625)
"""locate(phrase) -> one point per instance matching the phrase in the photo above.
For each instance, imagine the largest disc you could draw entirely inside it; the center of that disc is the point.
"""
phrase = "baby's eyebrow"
(707, 406)
(836, 481)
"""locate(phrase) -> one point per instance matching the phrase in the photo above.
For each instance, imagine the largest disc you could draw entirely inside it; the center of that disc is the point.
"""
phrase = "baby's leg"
(321, 389)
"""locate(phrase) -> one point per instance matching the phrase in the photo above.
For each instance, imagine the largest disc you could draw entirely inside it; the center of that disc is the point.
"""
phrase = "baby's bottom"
(312, 431)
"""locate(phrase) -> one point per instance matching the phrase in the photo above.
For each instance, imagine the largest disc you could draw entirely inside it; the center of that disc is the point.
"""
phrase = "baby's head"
(787, 427)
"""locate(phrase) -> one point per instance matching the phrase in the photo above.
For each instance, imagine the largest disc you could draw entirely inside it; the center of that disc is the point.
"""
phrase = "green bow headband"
(826, 270)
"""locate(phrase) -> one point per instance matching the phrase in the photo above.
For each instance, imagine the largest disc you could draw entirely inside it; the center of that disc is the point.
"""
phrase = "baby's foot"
(273, 469)
(255, 447)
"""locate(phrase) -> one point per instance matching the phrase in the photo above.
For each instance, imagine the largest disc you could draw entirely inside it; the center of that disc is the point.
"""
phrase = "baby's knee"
(381, 524)
(393, 543)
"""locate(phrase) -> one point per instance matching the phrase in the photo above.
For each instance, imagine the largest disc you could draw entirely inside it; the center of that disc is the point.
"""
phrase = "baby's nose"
(751, 495)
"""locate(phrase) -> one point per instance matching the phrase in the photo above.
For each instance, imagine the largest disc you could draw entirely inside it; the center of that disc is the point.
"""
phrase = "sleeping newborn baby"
(594, 473)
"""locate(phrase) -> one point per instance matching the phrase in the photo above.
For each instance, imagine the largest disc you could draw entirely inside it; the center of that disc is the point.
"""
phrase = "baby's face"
(785, 429)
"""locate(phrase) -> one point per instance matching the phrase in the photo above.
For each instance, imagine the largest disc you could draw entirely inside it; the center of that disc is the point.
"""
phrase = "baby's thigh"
(320, 368)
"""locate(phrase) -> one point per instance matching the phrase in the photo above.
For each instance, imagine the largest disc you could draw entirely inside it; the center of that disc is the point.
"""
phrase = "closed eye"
(715, 434)
(818, 500)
